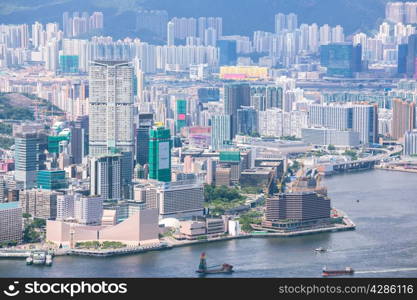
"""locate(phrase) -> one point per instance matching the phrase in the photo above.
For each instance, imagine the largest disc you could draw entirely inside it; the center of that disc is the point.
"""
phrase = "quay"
(121, 251)
(169, 242)
(263, 233)
(14, 253)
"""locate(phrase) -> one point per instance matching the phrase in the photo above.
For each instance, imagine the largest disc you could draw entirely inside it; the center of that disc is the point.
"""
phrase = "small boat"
(29, 260)
(203, 269)
(346, 271)
(320, 249)
(48, 260)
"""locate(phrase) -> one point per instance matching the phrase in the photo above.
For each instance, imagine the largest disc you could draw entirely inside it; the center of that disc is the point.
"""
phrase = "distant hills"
(240, 16)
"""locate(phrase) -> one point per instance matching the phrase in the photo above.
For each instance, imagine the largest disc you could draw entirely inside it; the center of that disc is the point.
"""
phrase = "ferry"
(346, 271)
(40, 258)
(203, 269)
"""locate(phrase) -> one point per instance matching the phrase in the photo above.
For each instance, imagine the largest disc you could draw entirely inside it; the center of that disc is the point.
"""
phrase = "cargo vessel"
(203, 269)
(346, 271)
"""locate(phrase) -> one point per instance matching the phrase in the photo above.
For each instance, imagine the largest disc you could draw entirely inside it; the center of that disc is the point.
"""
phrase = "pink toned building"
(139, 229)
(188, 164)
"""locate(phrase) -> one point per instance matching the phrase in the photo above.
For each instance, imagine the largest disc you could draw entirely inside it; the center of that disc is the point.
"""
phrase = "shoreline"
(170, 243)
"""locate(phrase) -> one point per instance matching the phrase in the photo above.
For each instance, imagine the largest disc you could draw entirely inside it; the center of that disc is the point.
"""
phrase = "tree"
(331, 147)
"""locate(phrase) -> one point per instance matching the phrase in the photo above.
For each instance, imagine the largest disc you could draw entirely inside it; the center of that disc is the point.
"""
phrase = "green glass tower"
(181, 113)
(160, 145)
(52, 179)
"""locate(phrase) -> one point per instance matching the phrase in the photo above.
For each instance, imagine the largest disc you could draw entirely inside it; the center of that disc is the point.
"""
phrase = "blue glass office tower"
(228, 54)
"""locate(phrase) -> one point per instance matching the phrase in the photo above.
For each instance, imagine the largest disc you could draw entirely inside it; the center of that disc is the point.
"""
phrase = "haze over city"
(201, 138)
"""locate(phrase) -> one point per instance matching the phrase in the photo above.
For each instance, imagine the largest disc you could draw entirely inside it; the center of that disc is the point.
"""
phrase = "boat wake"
(386, 271)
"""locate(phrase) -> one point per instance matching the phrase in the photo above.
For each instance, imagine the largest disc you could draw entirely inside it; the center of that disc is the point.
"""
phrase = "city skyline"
(185, 137)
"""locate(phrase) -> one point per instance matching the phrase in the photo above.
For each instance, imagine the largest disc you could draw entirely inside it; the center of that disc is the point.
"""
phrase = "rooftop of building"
(9, 205)
(110, 62)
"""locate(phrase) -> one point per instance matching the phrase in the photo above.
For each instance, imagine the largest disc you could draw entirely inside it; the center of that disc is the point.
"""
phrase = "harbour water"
(384, 243)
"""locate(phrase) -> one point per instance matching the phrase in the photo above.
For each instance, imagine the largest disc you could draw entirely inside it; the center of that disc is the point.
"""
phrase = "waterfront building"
(298, 206)
(11, 222)
(403, 117)
(410, 142)
(327, 136)
(139, 229)
(362, 118)
(160, 145)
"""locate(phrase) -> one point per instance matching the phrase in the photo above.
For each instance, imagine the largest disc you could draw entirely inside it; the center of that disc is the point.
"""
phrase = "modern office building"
(79, 139)
(403, 117)
(247, 120)
(221, 132)
(106, 177)
(402, 59)
(411, 56)
(110, 107)
(180, 114)
(228, 54)
(26, 158)
(51, 180)
(68, 64)
(341, 59)
(142, 138)
(160, 145)
(235, 96)
(11, 223)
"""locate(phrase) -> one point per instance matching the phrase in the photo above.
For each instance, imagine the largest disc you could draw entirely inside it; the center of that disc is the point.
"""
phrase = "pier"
(121, 251)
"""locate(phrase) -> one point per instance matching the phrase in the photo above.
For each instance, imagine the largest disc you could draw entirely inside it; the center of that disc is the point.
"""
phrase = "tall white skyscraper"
(170, 34)
(280, 22)
(111, 107)
(337, 34)
(325, 34)
(292, 22)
